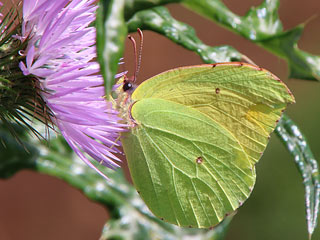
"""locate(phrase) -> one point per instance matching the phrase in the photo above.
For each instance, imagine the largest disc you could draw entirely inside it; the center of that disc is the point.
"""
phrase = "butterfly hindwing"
(189, 169)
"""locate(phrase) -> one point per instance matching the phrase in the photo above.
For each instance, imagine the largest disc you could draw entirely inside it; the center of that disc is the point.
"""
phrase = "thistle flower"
(57, 45)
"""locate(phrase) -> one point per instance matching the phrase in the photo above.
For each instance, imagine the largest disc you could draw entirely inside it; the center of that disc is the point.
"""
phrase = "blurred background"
(35, 206)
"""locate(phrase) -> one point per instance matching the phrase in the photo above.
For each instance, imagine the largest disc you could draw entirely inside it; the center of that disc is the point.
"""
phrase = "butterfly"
(195, 136)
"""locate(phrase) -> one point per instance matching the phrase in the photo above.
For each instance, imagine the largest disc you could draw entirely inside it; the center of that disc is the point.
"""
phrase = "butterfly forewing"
(246, 100)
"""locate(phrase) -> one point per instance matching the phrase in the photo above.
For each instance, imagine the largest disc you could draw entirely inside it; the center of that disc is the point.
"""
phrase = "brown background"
(35, 206)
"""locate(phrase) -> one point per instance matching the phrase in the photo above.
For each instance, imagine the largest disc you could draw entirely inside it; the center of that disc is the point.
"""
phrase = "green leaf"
(128, 214)
(298, 146)
(14, 154)
(137, 227)
(111, 34)
(263, 26)
(133, 6)
(258, 24)
(302, 64)
(158, 19)
(196, 134)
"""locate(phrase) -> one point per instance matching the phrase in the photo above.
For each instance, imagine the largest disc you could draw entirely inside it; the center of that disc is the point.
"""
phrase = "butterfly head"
(128, 85)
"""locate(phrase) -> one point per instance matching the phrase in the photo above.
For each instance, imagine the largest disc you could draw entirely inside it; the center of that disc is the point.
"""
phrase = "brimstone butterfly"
(195, 136)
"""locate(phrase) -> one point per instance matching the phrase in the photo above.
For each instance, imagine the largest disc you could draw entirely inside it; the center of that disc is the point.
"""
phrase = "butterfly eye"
(127, 86)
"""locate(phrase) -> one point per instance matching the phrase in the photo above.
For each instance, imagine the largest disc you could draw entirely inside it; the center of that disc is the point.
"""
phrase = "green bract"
(196, 134)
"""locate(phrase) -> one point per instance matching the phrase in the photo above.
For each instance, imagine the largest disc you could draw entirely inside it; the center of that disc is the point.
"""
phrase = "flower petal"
(61, 53)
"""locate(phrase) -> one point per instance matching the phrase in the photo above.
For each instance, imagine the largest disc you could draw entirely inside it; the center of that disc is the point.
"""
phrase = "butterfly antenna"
(140, 53)
(135, 55)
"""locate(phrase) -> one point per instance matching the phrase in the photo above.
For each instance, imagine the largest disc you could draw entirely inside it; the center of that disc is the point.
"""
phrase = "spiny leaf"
(158, 19)
(111, 34)
(135, 227)
(133, 6)
(301, 64)
(258, 24)
(263, 26)
(14, 155)
(298, 146)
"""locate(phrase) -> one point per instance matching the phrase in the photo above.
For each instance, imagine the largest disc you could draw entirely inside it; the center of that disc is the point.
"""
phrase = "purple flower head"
(61, 54)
